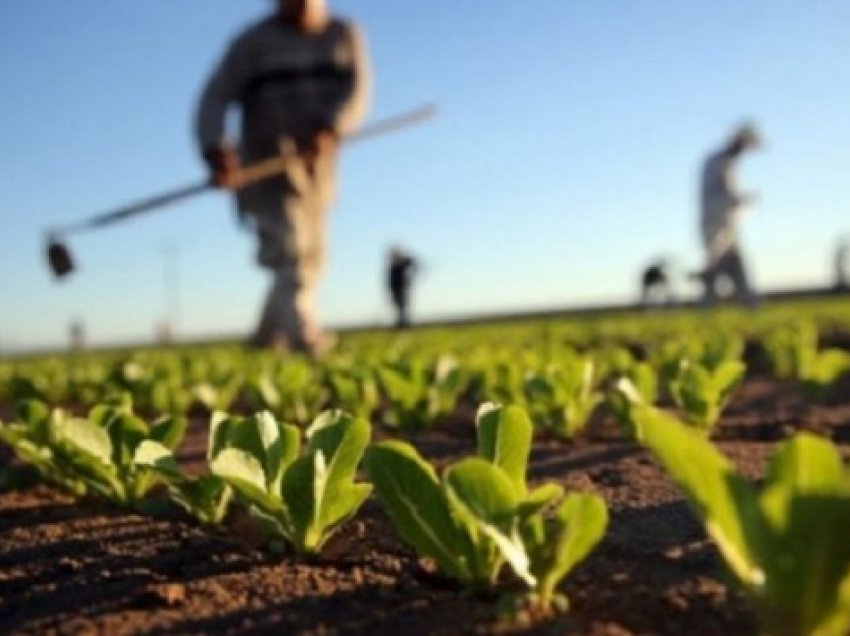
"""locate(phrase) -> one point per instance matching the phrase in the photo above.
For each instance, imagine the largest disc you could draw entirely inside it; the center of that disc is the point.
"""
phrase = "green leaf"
(484, 498)
(245, 474)
(169, 430)
(152, 454)
(806, 464)
(504, 439)
(206, 497)
(319, 488)
(413, 498)
(540, 499)
(576, 528)
(723, 499)
(84, 438)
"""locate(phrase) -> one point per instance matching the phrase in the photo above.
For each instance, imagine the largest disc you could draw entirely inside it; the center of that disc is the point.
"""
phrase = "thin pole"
(171, 286)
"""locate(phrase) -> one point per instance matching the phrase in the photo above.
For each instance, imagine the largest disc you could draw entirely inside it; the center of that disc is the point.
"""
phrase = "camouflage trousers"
(289, 216)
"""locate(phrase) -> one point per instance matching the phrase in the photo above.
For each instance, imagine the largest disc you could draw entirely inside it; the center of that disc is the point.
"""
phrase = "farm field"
(93, 551)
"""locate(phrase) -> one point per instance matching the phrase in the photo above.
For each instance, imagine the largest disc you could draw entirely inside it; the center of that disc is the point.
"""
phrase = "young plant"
(481, 515)
(100, 449)
(31, 438)
(93, 454)
(638, 385)
(822, 372)
(791, 349)
(785, 545)
(702, 393)
(418, 396)
(562, 398)
(354, 390)
(303, 498)
(206, 497)
(720, 348)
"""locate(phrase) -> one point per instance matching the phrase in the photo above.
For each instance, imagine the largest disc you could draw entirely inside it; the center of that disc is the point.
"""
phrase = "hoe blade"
(59, 258)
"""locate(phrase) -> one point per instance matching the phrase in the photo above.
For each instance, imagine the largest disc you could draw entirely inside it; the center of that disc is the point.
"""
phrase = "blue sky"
(564, 158)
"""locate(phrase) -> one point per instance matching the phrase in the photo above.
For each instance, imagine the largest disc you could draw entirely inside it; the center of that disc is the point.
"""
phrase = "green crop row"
(785, 544)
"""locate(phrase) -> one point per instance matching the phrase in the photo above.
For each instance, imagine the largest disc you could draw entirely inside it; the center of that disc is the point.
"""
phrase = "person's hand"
(225, 167)
(325, 142)
(750, 200)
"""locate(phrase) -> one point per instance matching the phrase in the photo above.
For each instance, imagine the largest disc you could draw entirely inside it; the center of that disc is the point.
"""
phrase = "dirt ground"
(70, 567)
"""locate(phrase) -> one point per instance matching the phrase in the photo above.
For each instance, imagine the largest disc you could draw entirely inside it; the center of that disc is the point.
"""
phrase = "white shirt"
(722, 203)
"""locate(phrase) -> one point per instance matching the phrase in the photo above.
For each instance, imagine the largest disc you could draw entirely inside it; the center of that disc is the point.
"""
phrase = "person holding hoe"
(300, 78)
(722, 204)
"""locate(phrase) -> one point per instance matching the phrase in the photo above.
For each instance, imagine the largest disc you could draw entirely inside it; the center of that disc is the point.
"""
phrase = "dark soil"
(72, 567)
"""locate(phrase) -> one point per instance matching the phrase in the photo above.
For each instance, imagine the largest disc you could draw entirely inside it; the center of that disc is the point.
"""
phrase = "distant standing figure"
(300, 78)
(402, 267)
(77, 333)
(655, 284)
(842, 265)
(722, 204)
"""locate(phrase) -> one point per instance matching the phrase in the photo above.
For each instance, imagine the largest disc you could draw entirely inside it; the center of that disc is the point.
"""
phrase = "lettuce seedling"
(822, 372)
(303, 498)
(702, 393)
(354, 390)
(481, 515)
(793, 353)
(638, 385)
(720, 348)
(31, 438)
(206, 497)
(562, 398)
(417, 395)
(791, 349)
(93, 454)
(100, 449)
(785, 545)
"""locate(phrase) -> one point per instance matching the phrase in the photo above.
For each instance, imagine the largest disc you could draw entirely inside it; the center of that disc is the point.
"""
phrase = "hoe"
(59, 256)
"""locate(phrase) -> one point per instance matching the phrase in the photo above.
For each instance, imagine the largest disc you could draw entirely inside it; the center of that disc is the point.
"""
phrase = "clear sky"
(565, 156)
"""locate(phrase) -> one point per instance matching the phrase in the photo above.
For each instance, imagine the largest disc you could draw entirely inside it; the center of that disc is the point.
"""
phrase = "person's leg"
(737, 273)
(709, 284)
(308, 215)
(272, 254)
(400, 301)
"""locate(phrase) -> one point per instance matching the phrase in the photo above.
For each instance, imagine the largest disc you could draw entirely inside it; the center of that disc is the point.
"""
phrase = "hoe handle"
(250, 174)
(276, 165)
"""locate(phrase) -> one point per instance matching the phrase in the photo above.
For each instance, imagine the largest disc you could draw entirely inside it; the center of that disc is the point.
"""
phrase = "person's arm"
(733, 190)
(355, 102)
(222, 89)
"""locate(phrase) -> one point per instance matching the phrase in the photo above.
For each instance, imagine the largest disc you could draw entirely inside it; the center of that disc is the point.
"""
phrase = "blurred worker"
(655, 284)
(722, 204)
(842, 265)
(77, 333)
(402, 267)
(301, 80)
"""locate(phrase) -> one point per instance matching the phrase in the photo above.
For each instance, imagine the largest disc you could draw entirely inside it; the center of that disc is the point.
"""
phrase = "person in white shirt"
(722, 203)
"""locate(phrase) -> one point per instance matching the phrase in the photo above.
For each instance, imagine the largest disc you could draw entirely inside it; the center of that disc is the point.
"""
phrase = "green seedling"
(785, 544)
(93, 454)
(417, 396)
(638, 385)
(206, 497)
(822, 371)
(303, 498)
(354, 390)
(790, 350)
(31, 437)
(562, 398)
(702, 393)
(481, 515)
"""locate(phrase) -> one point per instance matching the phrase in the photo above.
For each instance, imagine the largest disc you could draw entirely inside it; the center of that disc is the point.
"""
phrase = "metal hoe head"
(59, 257)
